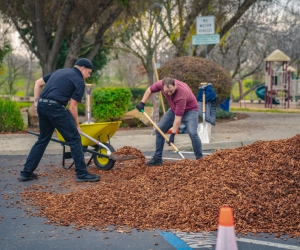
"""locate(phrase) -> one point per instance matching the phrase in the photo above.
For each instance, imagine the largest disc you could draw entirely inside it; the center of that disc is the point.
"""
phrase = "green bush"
(81, 108)
(10, 117)
(137, 95)
(110, 103)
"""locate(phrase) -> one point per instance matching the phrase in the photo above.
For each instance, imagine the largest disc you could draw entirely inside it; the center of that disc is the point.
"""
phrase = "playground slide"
(260, 92)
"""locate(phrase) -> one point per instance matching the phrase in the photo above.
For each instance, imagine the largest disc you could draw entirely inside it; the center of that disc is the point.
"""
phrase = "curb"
(226, 145)
(214, 145)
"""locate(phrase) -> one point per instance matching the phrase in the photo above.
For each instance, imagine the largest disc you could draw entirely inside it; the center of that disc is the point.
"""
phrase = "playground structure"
(260, 92)
(295, 86)
(280, 86)
(277, 80)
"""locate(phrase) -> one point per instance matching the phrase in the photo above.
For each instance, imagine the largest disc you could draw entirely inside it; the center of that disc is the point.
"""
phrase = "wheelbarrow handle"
(162, 134)
(97, 142)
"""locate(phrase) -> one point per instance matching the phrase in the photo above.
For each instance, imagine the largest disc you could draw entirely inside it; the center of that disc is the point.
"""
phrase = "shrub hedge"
(10, 117)
(137, 95)
(110, 103)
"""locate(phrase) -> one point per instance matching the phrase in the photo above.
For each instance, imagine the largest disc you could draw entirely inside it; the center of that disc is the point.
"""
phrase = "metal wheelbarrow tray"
(101, 132)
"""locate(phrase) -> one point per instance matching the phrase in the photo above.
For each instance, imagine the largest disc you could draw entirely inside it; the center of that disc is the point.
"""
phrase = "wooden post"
(157, 79)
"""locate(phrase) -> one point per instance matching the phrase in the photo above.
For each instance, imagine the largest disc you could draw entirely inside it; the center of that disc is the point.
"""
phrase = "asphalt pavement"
(22, 230)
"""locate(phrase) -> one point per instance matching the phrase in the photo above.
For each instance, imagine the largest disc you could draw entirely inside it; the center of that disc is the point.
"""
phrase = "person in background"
(52, 94)
(183, 109)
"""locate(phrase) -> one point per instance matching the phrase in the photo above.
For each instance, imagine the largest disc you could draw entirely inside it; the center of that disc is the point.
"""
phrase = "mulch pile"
(261, 182)
(128, 153)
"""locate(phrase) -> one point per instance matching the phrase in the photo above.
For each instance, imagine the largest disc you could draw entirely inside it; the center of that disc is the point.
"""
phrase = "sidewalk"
(260, 105)
(232, 134)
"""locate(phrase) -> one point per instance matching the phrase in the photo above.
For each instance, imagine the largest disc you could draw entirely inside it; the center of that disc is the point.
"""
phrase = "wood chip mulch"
(261, 182)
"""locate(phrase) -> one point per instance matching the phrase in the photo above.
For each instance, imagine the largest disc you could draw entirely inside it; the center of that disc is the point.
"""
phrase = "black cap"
(83, 62)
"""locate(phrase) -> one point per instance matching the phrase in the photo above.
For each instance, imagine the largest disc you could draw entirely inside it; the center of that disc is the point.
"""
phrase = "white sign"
(205, 25)
(206, 39)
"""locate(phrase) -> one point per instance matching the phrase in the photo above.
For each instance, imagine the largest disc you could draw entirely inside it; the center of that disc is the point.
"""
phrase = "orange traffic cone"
(226, 235)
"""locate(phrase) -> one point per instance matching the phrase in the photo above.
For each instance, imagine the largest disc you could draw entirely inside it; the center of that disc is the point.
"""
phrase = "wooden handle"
(88, 85)
(88, 103)
(162, 133)
(203, 83)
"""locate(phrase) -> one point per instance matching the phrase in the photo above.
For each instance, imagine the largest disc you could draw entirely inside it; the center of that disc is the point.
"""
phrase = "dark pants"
(190, 120)
(51, 116)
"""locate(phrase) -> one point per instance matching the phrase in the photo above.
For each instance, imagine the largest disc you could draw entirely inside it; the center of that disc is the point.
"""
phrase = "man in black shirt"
(52, 94)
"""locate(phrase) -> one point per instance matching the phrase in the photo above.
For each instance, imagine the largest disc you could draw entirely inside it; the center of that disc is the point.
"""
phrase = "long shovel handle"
(162, 134)
(97, 142)
(88, 102)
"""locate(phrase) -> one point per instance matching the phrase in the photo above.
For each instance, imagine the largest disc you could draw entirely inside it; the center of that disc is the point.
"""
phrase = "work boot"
(155, 161)
(88, 177)
(24, 176)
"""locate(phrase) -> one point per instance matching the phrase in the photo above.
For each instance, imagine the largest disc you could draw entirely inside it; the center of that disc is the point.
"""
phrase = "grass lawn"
(23, 104)
(19, 85)
(285, 111)
(235, 92)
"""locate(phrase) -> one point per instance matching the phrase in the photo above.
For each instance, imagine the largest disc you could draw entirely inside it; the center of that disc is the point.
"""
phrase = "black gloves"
(171, 139)
(140, 106)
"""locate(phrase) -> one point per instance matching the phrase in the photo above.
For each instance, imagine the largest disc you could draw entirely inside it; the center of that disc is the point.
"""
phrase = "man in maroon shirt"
(183, 109)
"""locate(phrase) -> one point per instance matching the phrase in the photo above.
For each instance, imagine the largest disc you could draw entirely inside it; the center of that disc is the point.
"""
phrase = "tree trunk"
(197, 7)
(150, 77)
(29, 74)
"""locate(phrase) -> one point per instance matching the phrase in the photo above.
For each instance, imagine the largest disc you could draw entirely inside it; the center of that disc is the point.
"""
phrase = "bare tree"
(181, 16)
(264, 28)
(129, 70)
(5, 47)
(29, 76)
(14, 67)
(141, 36)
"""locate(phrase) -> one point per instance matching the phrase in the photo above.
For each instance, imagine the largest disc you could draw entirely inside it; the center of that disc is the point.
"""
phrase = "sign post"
(205, 28)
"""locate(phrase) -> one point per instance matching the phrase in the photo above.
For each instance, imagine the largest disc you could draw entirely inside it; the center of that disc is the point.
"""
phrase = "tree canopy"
(45, 26)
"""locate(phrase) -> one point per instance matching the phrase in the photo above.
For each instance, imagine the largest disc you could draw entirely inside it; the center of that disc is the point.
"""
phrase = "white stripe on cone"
(226, 239)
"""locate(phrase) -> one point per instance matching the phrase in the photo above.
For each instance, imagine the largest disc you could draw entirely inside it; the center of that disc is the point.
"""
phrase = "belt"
(48, 100)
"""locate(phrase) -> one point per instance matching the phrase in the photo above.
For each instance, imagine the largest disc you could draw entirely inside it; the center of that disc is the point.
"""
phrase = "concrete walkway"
(232, 134)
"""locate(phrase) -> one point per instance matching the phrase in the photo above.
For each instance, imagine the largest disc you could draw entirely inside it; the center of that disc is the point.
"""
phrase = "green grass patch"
(235, 92)
(265, 110)
(20, 93)
(23, 104)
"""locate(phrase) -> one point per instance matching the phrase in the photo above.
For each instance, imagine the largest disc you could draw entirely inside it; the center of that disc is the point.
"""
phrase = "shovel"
(111, 155)
(204, 128)
(162, 134)
(88, 104)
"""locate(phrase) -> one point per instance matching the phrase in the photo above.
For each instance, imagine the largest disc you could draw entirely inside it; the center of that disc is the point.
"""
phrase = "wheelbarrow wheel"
(104, 163)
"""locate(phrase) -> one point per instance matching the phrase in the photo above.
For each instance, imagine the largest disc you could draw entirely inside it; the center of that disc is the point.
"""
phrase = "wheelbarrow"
(95, 140)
